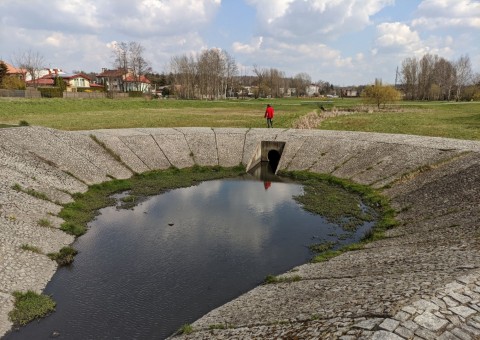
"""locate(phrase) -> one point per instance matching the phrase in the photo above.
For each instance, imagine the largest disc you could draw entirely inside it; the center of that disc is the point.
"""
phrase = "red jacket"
(269, 112)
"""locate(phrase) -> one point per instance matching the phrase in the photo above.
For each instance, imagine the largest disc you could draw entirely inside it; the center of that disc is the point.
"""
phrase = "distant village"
(124, 81)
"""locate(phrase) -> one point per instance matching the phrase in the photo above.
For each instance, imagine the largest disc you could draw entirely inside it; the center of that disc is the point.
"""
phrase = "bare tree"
(300, 83)
(443, 78)
(120, 54)
(184, 71)
(137, 64)
(464, 74)
(32, 62)
(129, 58)
(409, 74)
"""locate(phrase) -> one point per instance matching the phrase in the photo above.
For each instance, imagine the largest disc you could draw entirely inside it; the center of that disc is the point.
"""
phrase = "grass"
(88, 114)
(30, 306)
(33, 249)
(338, 201)
(437, 119)
(185, 329)
(43, 222)
(271, 279)
(315, 199)
(459, 120)
(64, 257)
(31, 192)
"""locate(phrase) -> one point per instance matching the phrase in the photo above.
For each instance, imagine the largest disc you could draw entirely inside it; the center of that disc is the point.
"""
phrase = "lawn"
(443, 119)
(127, 113)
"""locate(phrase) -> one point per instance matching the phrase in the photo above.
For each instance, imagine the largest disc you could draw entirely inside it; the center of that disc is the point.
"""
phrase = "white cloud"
(254, 46)
(433, 14)
(315, 19)
(397, 36)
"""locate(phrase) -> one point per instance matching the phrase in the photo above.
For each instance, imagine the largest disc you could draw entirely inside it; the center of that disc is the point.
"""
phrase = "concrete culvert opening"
(273, 159)
(266, 159)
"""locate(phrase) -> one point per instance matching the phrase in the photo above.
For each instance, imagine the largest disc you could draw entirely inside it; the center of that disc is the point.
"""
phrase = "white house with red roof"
(120, 80)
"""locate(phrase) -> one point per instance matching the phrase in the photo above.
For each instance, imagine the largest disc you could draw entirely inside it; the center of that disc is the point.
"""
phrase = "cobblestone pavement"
(421, 282)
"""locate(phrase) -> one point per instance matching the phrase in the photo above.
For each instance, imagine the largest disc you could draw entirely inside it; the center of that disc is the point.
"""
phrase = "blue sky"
(344, 42)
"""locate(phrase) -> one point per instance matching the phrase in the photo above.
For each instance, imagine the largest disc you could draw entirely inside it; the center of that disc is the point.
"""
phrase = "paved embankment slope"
(422, 281)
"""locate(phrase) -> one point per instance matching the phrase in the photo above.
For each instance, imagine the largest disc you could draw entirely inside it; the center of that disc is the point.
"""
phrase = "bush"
(51, 92)
(135, 94)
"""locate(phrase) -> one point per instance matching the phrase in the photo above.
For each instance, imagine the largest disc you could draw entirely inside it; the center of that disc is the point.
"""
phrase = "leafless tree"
(138, 66)
(129, 58)
(464, 74)
(443, 78)
(30, 61)
(120, 54)
(184, 71)
(409, 74)
(300, 83)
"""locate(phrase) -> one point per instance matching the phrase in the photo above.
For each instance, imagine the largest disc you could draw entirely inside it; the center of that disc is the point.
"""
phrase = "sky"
(344, 42)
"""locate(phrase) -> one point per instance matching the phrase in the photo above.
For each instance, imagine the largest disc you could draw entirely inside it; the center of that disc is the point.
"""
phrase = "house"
(72, 81)
(312, 90)
(121, 80)
(15, 72)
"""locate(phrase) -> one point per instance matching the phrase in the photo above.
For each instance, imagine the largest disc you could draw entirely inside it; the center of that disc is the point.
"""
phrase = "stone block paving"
(421, 282)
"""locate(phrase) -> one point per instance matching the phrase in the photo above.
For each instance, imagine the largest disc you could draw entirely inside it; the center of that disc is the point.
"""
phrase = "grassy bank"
(451, 120)
(87, 114)
(442, 119)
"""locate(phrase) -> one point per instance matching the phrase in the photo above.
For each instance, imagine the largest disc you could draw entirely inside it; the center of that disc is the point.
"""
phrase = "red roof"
(141, 79)
(13, 70)
(112, 73)
(42, 82)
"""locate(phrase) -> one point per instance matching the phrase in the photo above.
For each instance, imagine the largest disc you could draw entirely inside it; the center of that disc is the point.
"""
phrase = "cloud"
(253, 47)
(397, 37)
(315, 19)
(433, 14)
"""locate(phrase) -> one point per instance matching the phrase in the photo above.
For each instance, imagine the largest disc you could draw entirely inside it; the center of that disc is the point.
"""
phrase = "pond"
(142, 273)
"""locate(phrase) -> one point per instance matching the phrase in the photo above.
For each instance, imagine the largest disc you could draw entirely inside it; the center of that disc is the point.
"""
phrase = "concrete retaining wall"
(423, 280)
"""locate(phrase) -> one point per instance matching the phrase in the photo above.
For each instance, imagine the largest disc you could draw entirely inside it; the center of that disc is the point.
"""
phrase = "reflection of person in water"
(267, 185)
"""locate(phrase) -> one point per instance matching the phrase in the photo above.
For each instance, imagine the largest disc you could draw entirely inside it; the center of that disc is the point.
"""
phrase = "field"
(443, 119)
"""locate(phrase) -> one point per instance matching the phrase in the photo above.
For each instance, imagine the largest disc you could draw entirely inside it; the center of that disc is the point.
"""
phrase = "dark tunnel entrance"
(273, 159)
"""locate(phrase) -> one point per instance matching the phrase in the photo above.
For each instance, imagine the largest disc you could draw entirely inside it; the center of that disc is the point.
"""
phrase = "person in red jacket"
(269, 115)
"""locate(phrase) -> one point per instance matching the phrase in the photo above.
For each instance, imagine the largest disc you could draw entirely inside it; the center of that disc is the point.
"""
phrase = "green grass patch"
(343, 198)
(30, 306)
(91, 114)
(44, 222)
(64, 257)
(443, 119)
(31, 192)
(459, 120)
(185, 329)
(271, 279)
(33, 249)
(338, 201)
(321, 247)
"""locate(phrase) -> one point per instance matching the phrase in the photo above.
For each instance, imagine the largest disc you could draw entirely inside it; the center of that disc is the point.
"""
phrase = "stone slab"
(147, 150)
(127, 156)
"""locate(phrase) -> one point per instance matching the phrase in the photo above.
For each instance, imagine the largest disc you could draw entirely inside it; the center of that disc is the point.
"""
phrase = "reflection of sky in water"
(137, 276)
(238, 214)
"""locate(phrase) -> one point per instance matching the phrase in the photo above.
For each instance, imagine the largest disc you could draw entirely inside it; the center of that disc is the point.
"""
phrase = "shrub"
(51, 92)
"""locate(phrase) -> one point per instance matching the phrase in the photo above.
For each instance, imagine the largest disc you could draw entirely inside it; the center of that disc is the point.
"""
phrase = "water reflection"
(142, 273)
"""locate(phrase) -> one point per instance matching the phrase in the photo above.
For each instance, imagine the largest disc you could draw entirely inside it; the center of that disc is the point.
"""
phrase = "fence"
(28, 93)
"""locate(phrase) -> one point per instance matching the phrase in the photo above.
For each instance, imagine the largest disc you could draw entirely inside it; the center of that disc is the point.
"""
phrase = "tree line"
(213, 74)
(432, 77)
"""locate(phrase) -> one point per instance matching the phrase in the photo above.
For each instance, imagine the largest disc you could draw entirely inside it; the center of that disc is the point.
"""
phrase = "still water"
(143, 273)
